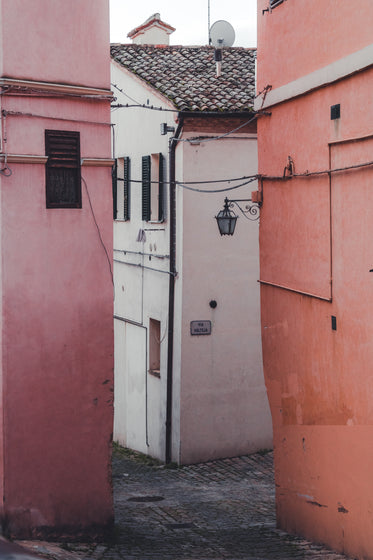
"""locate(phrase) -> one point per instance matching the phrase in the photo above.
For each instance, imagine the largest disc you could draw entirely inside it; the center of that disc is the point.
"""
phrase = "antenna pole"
(208, 20)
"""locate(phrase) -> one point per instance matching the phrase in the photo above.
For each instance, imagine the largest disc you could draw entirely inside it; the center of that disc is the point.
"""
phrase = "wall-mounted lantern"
(226, 218)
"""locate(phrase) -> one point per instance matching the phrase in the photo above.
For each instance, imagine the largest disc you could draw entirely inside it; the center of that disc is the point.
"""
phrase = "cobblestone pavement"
(220, 510)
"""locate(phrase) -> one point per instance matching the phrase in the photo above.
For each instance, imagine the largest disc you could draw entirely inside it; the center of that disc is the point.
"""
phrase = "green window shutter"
(114, 174)
(146, 186)
(161, 189)
(126, 189)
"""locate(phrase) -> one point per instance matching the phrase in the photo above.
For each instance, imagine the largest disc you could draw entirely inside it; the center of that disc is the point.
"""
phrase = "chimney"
(153, 31)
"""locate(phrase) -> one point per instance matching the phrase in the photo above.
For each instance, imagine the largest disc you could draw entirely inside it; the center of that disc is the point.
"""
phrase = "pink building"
(315, 72)
(55, 280)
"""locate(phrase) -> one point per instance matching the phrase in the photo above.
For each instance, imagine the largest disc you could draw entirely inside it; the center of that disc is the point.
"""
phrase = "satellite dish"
(222, 34)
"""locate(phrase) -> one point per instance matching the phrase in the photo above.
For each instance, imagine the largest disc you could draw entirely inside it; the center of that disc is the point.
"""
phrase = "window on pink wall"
(63, 180)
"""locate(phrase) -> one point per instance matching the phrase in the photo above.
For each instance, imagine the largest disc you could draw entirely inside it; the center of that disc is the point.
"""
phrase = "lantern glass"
(226, 222)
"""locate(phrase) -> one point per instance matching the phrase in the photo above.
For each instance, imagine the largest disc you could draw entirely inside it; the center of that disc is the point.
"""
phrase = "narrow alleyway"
(218, 510)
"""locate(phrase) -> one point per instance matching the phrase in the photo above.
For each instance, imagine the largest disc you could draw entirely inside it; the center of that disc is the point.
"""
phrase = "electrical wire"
(146, 267)
(137, 104)
(197, 182)
(19, 89)
(217, 137)
(5, 171)
(183, 111)
(251, 178)
(336, 170)
(143, 106)
(155, 255)
(217, 190)
(22, 114)
(124, 93)
(98, 229)
(314, 173)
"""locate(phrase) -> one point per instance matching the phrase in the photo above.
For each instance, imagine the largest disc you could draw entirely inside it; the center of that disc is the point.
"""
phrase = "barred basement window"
(63, 182)
(153, 188)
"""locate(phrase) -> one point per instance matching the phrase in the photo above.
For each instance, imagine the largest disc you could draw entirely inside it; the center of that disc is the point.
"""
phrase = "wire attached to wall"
(213, 138)
(254, 178)
(5, 171)
(98, 229)
(211, 181)
(138, 105)
(289, 171)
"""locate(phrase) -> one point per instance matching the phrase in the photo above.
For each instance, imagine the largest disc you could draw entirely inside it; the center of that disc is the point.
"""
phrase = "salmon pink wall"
(316, 255)
(320, 33)
(57, 291)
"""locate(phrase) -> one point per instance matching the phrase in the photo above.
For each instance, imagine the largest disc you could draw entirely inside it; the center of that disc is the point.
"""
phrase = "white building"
(182, 395)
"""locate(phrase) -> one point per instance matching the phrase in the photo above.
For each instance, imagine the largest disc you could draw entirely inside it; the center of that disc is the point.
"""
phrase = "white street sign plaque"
(200, 327)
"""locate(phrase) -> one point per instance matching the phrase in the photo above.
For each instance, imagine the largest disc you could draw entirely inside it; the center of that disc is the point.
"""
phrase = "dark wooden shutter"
(161, 189)
(63, 181)
(146, 186)
(126, 189)
(114, 176)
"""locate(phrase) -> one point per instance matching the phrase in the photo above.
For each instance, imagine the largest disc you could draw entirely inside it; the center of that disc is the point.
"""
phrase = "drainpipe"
(171, 294)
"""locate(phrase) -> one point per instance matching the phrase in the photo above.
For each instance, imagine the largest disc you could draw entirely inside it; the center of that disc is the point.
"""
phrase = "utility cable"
(98, 230)
(314, 173)
(124, 93)
(197, 182)
(217, 190)
(217, 137)
(22, 114)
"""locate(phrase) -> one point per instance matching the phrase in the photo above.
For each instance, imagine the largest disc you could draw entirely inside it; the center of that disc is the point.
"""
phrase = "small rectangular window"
(63, 181)
(153, 188)
(155, 347)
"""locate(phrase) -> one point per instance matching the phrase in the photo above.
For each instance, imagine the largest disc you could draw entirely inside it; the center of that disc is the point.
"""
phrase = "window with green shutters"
(161, 194)
(122, 189)
(126, 188)
(114, 179)
(153, 202)
(146, 188)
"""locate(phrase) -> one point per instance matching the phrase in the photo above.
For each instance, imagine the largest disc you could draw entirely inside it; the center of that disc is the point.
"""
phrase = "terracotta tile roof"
(187, 75)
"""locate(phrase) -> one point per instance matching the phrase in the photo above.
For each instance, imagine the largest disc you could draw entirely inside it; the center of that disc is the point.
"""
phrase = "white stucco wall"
(224, 409)
(219, 403)
(140, 293)
(152, 36)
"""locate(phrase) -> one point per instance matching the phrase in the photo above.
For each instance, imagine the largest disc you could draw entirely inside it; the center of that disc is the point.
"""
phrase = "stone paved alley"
(217, 510)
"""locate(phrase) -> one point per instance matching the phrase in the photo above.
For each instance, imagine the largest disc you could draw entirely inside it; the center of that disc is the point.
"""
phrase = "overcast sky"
(190, 18)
